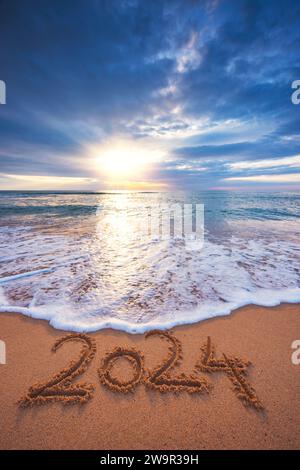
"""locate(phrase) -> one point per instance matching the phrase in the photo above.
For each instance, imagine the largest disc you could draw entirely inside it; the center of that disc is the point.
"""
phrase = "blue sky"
(149, 94)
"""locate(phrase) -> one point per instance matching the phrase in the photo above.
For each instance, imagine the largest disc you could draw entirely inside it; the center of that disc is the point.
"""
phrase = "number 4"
(235, 368)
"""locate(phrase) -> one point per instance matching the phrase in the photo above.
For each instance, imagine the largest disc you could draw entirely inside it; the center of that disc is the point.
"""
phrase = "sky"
(149, 95)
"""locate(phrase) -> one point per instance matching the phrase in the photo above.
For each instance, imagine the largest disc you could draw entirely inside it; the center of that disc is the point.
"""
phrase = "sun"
(124, 160)
(121, 162)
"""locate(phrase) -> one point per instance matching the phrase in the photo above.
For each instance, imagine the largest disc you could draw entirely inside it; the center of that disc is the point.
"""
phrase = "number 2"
(59, 387)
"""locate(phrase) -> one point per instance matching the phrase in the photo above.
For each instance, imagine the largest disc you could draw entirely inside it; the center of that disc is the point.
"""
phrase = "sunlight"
(124, 160)
(118, 162)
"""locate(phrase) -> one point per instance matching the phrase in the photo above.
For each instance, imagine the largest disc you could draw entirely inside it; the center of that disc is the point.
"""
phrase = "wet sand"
(147, 418)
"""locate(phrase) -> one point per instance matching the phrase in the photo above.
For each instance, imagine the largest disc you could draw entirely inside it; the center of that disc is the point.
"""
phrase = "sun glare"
(125, 161)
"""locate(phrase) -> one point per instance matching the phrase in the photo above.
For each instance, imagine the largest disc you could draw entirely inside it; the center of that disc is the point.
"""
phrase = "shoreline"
(143, 328)
(148, 418)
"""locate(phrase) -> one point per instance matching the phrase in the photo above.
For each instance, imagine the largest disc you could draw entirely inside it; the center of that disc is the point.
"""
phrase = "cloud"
(291, 162)
(283, 178)
(207, 81)
(42, 182)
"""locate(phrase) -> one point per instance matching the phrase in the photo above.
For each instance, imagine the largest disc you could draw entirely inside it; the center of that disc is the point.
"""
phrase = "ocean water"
(82, 262)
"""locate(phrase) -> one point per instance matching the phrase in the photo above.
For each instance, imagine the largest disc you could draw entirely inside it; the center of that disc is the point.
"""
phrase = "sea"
(86, 261)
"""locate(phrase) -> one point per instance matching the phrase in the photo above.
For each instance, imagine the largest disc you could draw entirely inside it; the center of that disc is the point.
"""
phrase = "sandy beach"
(146, 418)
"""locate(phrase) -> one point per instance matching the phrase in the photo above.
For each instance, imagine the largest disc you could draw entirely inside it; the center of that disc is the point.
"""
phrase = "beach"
(149, 229)
(146, 418)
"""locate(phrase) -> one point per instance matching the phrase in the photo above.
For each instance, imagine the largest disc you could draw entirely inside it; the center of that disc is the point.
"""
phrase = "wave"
(92, 272)
(60, 321)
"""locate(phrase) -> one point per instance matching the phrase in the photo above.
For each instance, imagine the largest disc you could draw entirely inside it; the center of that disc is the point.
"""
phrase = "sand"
(111, 401)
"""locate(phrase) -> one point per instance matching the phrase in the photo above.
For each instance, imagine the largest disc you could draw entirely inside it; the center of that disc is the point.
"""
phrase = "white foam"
(3, 299)
(79, 279)
(63, 321)
(25, 274)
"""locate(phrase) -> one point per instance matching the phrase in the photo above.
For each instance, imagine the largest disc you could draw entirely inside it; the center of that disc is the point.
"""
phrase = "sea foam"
(79, 278)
